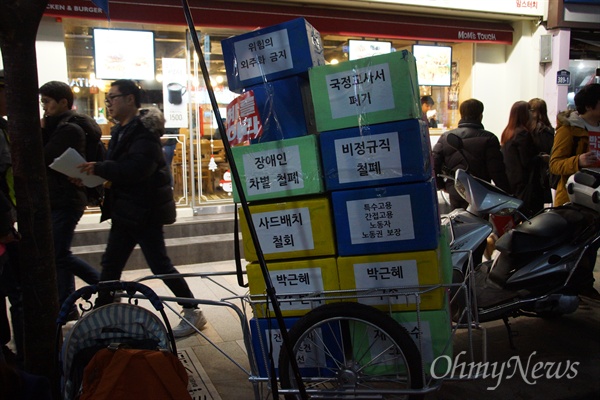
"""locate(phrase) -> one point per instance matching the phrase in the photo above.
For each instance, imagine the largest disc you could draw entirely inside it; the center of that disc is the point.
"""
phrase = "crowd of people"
(138, 199)
(531, 160)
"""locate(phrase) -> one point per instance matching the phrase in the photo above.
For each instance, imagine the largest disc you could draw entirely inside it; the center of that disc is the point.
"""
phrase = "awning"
(327, 21)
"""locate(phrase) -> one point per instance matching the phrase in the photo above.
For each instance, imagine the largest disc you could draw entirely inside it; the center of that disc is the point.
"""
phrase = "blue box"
(310, 362)
(387, 219)
(275, 52)
(375, 155)
(281, 106)
(260, 331)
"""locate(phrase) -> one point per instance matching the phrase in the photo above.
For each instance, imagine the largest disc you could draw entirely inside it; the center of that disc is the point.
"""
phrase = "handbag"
(532, 198)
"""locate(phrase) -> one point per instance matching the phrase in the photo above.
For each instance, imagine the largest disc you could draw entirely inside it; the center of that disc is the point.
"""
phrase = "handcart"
(344, 349)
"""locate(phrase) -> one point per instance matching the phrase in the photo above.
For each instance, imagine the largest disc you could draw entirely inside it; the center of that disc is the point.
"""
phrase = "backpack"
(95, 151)
(116, 373)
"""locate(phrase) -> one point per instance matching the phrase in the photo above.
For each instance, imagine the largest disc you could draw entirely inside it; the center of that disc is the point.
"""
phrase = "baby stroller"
(114, 326)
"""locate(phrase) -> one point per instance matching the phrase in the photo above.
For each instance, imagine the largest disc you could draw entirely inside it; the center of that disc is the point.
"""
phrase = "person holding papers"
(67, 200)
(138, 196)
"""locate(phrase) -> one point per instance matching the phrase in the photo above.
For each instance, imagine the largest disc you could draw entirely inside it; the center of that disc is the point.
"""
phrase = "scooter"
(539, 262)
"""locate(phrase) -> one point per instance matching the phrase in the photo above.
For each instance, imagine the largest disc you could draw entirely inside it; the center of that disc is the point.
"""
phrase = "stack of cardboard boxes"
(351, 208)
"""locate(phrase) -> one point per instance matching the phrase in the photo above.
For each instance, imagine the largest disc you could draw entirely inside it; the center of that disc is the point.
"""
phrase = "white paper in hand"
(67, 164)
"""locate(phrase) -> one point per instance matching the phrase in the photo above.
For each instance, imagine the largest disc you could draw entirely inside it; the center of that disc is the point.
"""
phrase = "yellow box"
(291, 229)
(380, 279)
(292, 280)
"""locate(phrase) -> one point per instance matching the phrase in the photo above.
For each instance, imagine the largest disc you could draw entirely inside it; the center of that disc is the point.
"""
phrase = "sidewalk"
(573, 339)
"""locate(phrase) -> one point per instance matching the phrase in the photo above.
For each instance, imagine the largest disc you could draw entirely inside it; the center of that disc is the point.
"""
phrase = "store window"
(584, 62)
(199, 165)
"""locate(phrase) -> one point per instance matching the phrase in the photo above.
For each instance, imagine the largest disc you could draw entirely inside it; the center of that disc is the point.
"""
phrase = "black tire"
(346, 342)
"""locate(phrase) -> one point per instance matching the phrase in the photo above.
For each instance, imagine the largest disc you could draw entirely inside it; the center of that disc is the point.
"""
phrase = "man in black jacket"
(481, 148)
(67, 200)
(139, 197)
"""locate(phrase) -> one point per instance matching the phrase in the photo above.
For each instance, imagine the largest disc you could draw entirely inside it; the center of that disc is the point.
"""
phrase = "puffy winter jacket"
(482, 150)
(140, 190)
(58, 137)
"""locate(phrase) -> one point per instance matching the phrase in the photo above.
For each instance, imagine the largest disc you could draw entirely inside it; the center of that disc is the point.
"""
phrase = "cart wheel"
(351, 351)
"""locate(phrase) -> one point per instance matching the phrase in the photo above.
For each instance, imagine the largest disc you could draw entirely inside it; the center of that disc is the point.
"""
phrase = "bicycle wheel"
(351, 351)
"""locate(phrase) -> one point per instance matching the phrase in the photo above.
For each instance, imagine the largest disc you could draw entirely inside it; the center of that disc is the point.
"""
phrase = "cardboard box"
(366, 91)
(265, 331)
(433, 337)
(388, 274)
(271, 53)
(292, 280)
(281, 106)
(386, 219)
(283, 168)
(293, 229)
(375, 155)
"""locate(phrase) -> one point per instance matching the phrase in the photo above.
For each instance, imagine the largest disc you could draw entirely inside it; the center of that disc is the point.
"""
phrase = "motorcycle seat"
(542, 232)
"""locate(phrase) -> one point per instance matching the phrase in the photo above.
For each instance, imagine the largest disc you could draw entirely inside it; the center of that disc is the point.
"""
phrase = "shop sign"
(518, 7)
(563, 77)
(353, 23)
(75, 7)
(80, 82)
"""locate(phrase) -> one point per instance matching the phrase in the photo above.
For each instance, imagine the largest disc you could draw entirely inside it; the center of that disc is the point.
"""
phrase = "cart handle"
(86, 293)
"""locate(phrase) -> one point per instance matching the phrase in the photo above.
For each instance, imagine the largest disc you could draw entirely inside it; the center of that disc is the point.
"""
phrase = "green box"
(433, 334)
(281, 168)
(366, 91)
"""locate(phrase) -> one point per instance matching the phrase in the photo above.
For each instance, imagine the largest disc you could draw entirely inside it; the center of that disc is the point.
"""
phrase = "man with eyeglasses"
(67, 200)
(139, 197)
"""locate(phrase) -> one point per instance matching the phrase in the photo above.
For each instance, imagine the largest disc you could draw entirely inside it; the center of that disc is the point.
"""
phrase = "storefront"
(573, 47)
(489, 53)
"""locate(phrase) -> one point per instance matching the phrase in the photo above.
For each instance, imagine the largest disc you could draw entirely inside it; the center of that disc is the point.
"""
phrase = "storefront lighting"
(158, 77)
(76, 89)
(219, 79)
(334, 61)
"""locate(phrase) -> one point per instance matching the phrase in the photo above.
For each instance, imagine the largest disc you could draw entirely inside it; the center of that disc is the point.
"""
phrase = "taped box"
(294, 281)
(275, 52)
(386, 219)
(283, 168)
(432, 337)
(312, 361)
(375, 155)
(366, 91)
(285, 109)
(294, 229)
(379, 280)
(265, 331)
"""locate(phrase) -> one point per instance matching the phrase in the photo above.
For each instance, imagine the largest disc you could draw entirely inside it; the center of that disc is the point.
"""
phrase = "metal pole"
(236, 178)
